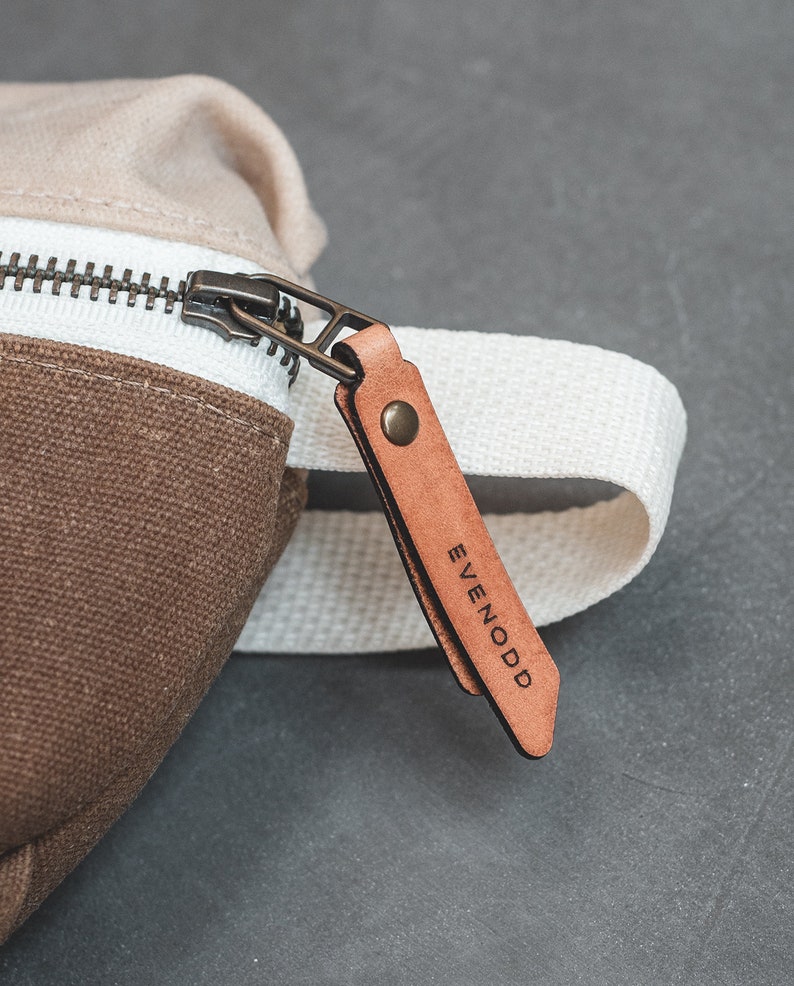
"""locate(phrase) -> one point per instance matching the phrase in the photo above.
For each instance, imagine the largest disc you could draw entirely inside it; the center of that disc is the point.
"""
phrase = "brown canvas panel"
(141, 510)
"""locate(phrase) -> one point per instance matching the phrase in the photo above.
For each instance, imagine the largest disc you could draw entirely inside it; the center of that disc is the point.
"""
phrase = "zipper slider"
(459, 580)
(206, 303)
(245, 306)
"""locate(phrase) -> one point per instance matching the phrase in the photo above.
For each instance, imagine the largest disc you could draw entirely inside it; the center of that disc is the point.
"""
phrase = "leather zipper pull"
(461, 584)
(457, 575)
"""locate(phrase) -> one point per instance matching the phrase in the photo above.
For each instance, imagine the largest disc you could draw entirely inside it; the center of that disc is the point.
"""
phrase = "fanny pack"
(160, 408)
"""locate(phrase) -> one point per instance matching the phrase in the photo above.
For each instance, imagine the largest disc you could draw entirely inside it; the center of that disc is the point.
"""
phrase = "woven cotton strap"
(511, 407)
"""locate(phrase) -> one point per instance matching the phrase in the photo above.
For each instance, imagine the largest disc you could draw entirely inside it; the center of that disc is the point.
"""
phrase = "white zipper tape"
(147, 335)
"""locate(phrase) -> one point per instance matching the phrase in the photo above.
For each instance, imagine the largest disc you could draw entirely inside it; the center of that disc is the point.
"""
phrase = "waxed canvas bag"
(150, 479)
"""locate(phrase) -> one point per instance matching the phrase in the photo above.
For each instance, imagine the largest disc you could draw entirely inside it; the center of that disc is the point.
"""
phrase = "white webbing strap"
(511, 406)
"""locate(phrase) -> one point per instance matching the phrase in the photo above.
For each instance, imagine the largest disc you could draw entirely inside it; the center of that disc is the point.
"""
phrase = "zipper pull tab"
(457, 575)
(462, 586)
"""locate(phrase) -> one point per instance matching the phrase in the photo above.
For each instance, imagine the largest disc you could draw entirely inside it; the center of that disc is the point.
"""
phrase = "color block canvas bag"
(155, 438)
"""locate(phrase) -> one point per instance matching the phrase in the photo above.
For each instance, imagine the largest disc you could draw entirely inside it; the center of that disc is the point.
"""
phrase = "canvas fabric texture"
(185, 158)
(141, 508)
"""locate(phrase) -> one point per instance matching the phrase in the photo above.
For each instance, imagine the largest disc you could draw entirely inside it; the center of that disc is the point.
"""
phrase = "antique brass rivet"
(400, 422)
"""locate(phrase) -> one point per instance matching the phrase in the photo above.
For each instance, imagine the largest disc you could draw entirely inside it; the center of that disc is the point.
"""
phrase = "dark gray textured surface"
(611, 172)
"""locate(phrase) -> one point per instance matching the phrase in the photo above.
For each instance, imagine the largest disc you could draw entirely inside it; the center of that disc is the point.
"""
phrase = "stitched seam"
(143, 385)
(131, 207)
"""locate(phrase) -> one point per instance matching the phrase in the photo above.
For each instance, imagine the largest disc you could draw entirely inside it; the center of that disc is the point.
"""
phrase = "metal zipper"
(67, 281)
(55, 277)
(240, 306)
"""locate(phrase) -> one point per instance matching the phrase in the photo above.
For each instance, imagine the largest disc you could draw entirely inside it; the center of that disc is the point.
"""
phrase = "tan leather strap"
(457, 575)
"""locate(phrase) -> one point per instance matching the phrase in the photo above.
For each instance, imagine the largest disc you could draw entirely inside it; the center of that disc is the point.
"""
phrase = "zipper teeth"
(54, 278)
